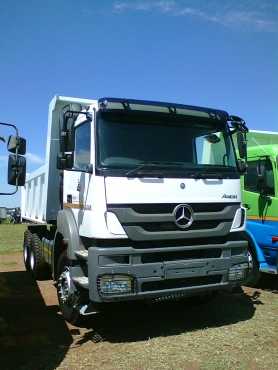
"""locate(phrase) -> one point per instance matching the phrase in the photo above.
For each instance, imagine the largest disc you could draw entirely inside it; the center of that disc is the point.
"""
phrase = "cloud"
(30, 157)
(34, 159)
(256, 16)
(164, 6)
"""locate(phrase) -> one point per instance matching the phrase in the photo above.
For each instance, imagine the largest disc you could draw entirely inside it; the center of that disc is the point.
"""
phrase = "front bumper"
(156, 274)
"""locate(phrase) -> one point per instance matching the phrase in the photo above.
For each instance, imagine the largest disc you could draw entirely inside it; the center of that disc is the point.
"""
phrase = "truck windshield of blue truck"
(169, 145)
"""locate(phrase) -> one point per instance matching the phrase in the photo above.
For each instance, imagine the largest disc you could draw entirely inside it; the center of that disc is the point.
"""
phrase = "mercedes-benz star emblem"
(183, 214)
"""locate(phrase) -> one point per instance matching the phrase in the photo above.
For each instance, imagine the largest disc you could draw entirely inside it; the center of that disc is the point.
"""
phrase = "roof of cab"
(270, 150)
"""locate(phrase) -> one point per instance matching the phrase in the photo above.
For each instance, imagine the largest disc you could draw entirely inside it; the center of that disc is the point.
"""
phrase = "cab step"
(83, 254)
(88, 309)
(81, 281)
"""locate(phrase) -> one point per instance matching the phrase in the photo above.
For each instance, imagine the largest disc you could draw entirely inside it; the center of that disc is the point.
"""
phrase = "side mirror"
(65, 162)
(261, 176)
(242, 144)
(212, 139)
(265, 178)
(16, 143)
(67, 141)
(16, 170)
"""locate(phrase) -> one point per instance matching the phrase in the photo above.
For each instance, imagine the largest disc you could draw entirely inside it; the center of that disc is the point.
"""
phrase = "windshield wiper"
(189, 172)
(207, 175)
(152, 165)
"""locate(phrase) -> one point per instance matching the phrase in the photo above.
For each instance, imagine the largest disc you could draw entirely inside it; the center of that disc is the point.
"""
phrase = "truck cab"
(260, 197)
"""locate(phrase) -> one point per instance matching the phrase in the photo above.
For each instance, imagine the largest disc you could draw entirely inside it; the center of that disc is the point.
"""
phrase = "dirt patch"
(237, 331)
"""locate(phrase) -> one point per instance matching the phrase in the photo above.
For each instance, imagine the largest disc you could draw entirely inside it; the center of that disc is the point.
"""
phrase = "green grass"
(11, 238)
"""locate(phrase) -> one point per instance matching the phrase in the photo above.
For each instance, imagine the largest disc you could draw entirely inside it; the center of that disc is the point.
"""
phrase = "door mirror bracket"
(242, 166)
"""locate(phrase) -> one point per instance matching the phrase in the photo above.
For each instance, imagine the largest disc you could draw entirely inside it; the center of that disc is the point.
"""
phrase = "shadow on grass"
(32, 335)
(137, 321)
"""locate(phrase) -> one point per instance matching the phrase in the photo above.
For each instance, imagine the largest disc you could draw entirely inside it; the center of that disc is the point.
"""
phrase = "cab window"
(82, 151)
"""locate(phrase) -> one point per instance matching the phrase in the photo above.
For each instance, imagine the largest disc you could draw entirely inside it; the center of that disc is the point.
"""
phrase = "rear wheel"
(38, 266)
(254, 274)
(70, 298)
(26, 249)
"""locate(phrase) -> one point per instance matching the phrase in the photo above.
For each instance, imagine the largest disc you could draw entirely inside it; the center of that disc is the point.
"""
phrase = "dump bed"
(33, 197)
(40, 199)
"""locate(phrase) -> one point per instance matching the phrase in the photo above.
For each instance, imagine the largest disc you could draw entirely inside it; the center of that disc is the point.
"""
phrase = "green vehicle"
(260, 197)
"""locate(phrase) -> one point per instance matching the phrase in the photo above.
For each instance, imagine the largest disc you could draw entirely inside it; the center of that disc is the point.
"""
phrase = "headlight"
(115, 284)
(113, 224)
(239, 220)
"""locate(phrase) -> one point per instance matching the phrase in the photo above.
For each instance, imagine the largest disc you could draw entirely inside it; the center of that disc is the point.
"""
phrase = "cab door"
(76, 181)
(262, 218)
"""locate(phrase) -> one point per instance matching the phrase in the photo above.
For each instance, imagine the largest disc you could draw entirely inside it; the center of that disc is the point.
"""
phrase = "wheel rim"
(25, 255)
(250, 260)
(32, 260)
(65, 287)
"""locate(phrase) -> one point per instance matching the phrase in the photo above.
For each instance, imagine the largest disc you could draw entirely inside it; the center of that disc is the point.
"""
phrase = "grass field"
(11, 237)
(236, 331)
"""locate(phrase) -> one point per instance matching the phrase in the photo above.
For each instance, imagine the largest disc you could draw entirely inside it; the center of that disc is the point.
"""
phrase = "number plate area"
(173, 270)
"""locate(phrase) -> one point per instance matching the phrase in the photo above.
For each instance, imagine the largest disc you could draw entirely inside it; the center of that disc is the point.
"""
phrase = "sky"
(215, 53)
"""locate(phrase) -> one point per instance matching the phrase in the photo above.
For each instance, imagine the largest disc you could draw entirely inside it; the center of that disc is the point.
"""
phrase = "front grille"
(158, 222)
(110, 243)
(180, 283)
(181, 255)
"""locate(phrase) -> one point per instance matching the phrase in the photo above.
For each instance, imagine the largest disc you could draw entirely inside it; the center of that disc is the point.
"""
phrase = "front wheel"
(254, 274)
(69, 297)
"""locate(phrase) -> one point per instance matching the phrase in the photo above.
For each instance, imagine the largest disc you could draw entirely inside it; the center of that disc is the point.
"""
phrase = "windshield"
(127, 141)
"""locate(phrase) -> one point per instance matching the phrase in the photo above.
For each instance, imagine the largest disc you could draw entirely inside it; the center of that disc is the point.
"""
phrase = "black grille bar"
(180, 283)
(181, 255)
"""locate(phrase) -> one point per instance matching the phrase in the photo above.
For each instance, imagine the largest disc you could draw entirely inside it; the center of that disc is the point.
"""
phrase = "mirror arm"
(10, 125)
(238, 124)
(12, 193)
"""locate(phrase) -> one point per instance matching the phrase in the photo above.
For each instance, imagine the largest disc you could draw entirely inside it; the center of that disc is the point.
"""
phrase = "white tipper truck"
(137, 200)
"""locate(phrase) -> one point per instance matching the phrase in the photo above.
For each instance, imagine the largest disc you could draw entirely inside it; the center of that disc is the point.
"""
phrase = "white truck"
(137, 200)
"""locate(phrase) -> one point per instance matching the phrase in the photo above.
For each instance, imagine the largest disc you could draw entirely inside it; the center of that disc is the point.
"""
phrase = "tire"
(254, 275)
(38, 266)
(26, 249)
(69, 296)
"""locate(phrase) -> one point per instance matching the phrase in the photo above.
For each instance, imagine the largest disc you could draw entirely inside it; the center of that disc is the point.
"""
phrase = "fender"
(255, 247)
(67, 231)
